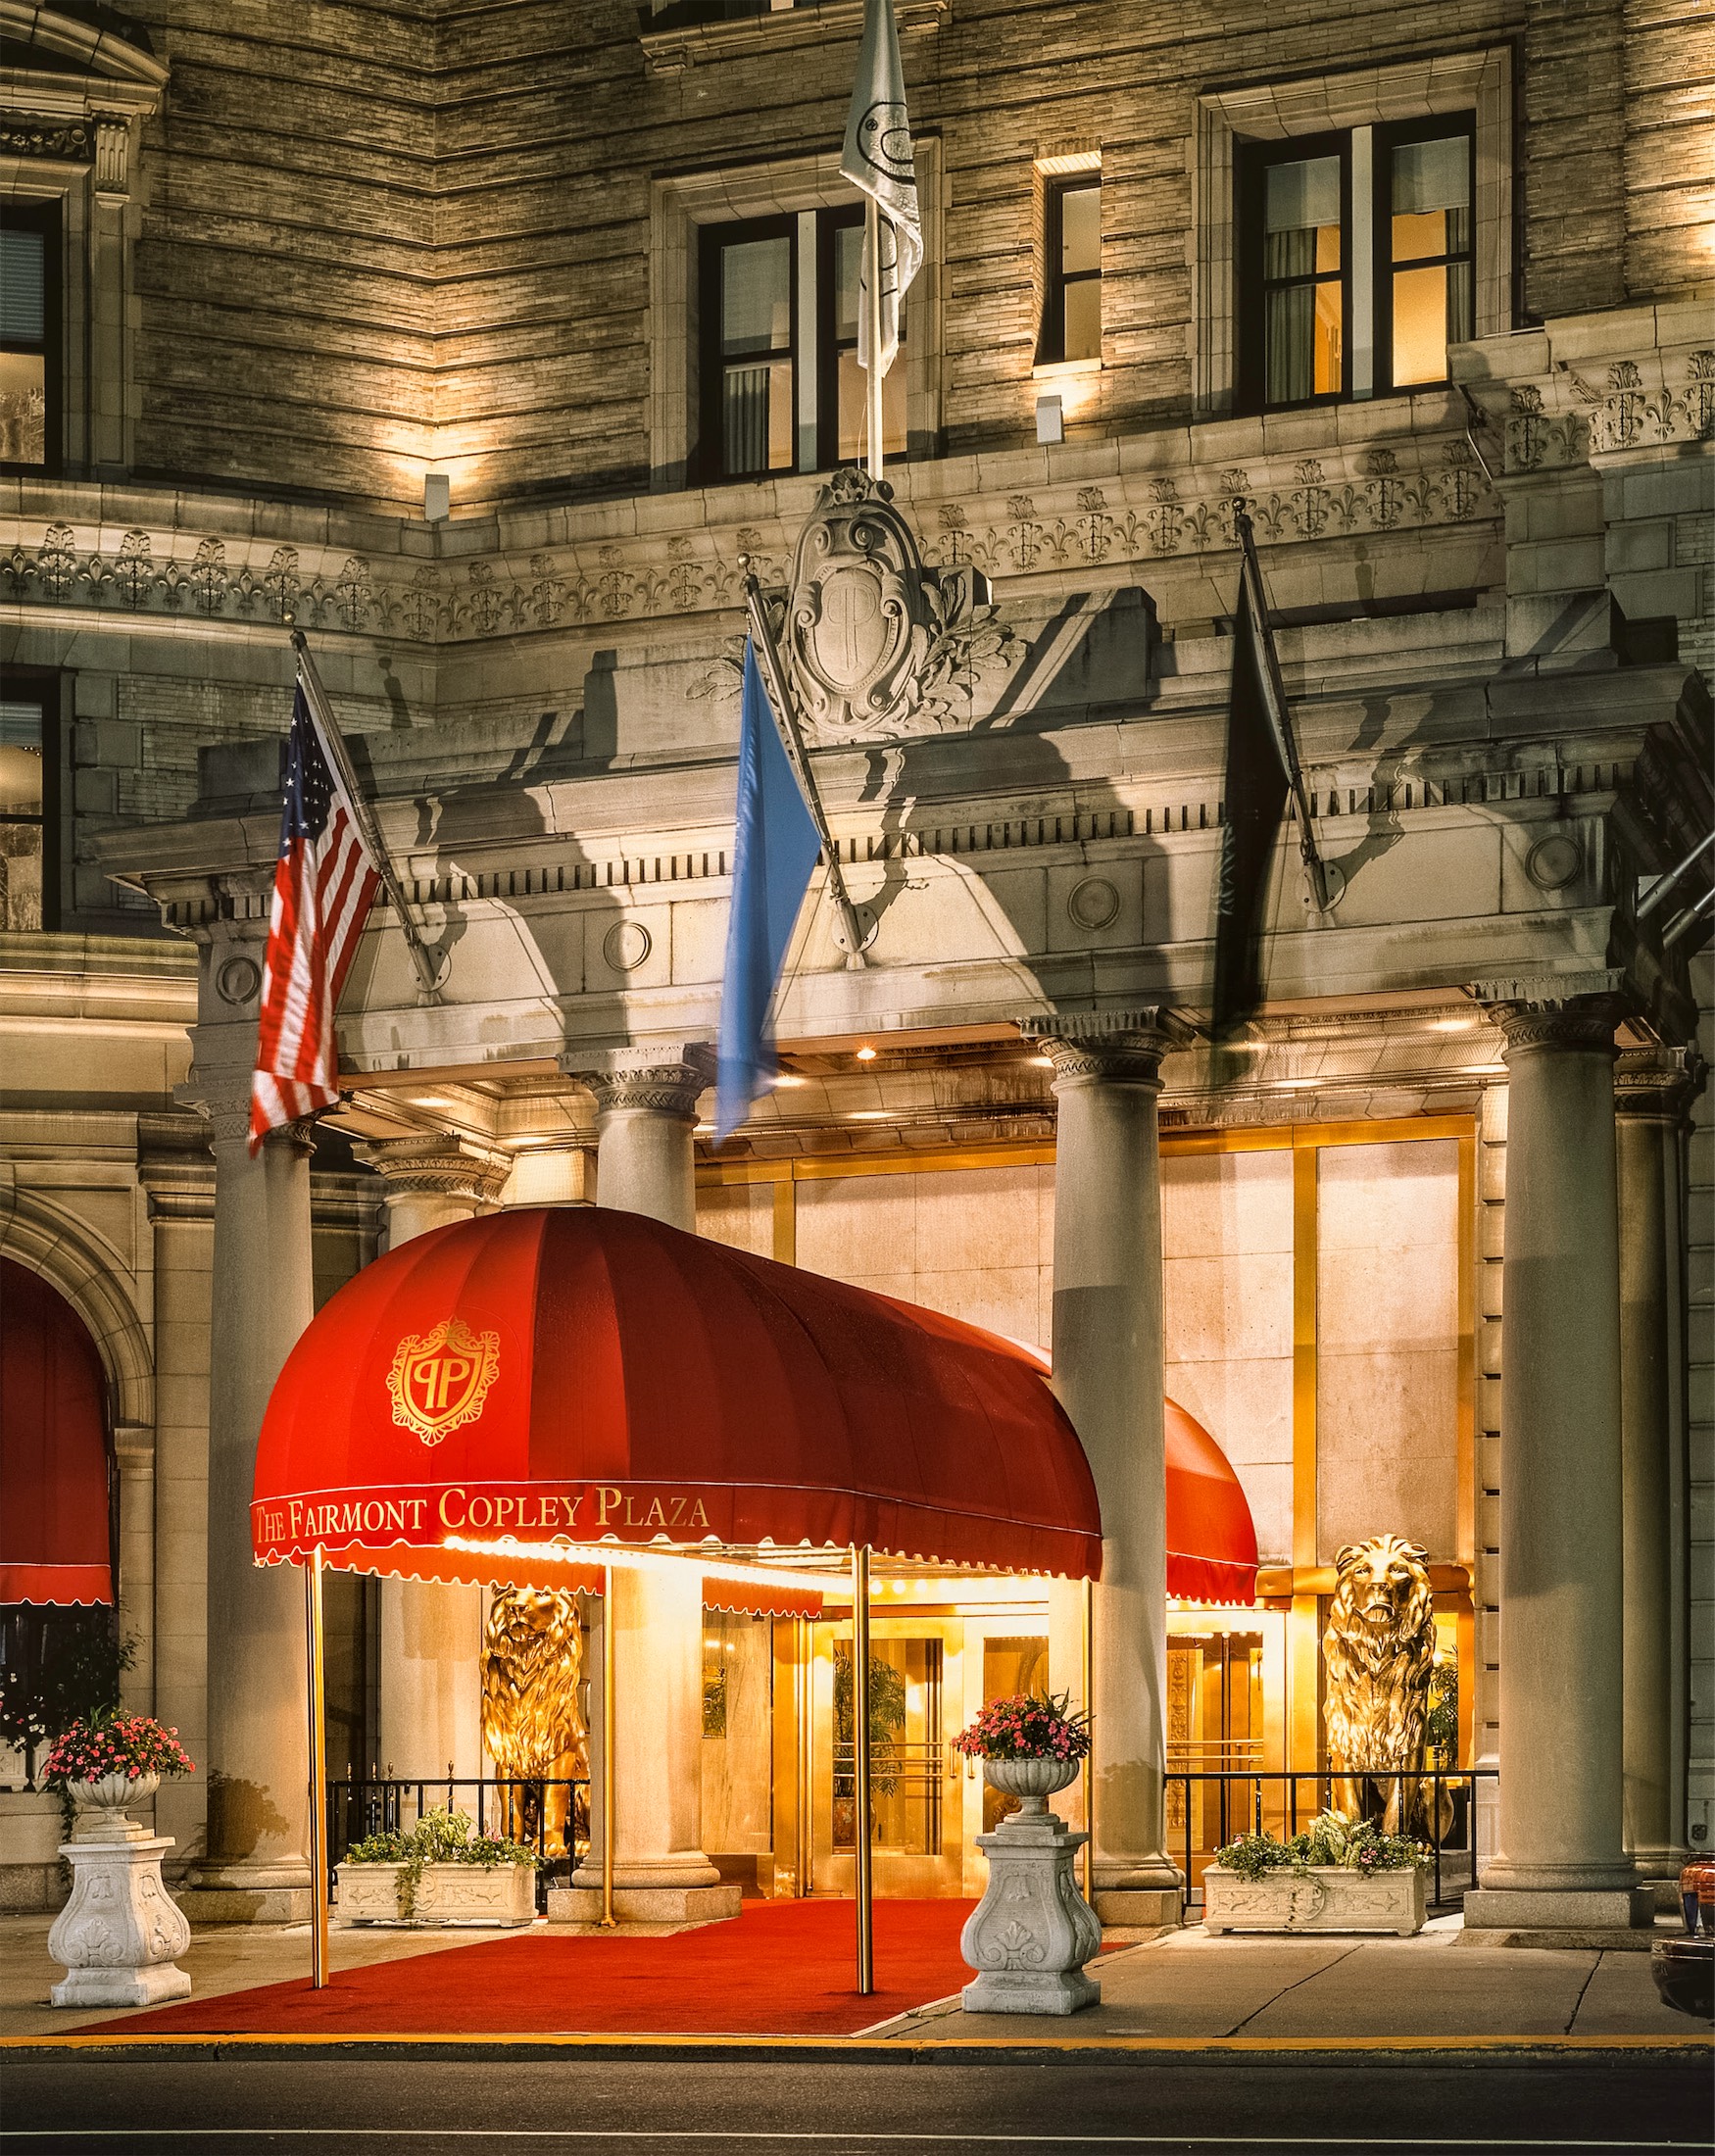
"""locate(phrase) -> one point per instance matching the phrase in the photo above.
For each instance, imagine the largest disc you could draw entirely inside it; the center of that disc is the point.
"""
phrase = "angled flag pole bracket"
(430, 968)
(1324, 881)
(858, 930)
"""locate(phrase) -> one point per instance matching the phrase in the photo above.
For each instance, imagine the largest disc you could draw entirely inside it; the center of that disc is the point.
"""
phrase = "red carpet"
(781, 1968)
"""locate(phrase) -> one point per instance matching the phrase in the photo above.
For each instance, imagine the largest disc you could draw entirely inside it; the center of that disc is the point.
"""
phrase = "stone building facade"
(293, 262)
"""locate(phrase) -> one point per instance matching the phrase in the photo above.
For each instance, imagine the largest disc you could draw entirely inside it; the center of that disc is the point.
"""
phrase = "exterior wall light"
(1050, 421)
(437, 496)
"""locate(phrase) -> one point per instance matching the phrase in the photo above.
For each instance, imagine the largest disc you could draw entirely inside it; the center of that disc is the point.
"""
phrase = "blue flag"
(774, 850)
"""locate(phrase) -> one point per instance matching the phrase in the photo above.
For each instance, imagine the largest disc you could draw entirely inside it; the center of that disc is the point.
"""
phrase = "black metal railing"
(1206, 1808)
(551, 1815)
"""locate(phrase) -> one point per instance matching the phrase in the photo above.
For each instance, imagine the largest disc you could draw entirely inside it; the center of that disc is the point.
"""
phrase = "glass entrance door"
(1214, 1727)
(915, 1668)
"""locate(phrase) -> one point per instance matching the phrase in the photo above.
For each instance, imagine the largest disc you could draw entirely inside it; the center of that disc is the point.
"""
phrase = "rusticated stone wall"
(377, 238)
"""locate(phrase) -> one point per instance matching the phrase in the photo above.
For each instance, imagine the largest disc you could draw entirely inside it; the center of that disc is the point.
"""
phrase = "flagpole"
(428, 973)
(792, 741)
(873, 387)
(1250, 571)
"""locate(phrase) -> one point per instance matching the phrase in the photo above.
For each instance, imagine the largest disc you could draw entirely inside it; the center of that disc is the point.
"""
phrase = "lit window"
(850, 386)
(1430, 275)
(1356, 263)
(782, 389)
(29, 360)
(1071, 323)
(755, 351)
(22, 811)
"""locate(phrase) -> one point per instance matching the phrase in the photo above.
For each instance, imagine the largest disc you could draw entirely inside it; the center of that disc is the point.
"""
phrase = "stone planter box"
(446, 1893)
(1325, 1899)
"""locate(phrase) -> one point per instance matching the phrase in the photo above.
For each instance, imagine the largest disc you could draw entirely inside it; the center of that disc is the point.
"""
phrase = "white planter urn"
(1030, 1935)
(503, 1895)
(1324, 1897)
(119, 1937)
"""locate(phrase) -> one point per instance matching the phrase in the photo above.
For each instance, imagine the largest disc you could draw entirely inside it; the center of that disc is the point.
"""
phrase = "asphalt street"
(692, 2102)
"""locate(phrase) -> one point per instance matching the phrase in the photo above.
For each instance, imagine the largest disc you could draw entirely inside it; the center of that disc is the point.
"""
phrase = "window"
(27, 804)
(845, 412)
(1356, 261)
(1071, 320)
(1428, 286)
(29, 356)
(782, 390)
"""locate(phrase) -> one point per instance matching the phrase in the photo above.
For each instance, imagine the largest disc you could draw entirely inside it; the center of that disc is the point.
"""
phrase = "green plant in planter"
(1331, 1840)
(438, 1837)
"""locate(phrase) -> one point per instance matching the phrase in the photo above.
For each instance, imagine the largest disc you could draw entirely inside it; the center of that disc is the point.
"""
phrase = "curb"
(859, 2052)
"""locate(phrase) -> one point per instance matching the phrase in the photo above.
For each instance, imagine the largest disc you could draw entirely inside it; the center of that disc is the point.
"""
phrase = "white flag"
(878, 160)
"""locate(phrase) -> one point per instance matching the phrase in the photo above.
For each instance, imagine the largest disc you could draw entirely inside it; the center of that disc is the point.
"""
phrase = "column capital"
(1554, 1012)
(1657, 1084)
(665, 1078)
(1121, 1048)
(435, 1164)
(224, 1105)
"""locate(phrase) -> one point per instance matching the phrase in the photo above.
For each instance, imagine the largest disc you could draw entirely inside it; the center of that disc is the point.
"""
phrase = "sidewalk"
(1437, 1987)
(1179, 1990)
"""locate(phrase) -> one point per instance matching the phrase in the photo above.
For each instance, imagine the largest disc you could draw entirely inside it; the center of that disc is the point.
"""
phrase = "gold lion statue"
(1379, 1654)
(532, 1663)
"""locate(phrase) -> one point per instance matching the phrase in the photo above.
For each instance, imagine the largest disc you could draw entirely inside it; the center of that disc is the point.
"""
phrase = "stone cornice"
(1023, 517)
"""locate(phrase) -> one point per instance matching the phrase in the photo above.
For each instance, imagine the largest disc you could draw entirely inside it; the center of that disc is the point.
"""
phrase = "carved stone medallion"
(855, 627)
(876, 645)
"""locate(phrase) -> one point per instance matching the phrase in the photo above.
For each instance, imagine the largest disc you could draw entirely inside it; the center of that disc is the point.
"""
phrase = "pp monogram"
(440, 1379)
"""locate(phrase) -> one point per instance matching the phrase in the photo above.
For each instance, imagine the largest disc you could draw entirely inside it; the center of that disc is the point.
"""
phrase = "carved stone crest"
(876, 645)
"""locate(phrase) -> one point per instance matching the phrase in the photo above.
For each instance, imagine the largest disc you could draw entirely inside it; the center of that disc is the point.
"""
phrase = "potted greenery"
(439, 1873)
(1340, 1875)
(1029, 1746)
(104, 1764)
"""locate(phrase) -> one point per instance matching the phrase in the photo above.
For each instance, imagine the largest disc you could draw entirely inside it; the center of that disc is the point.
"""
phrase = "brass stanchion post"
(861, 1764)
(1090, 1756)
(317, 1772)
(609, 1921)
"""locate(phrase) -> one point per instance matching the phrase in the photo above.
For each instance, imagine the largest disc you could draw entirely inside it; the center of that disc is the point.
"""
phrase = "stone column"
(256, 1866)
(177, 1171)
(646, 1111)
(1107, 1370)
(1653, 1088)
(1561, 1863)
(430, 1718)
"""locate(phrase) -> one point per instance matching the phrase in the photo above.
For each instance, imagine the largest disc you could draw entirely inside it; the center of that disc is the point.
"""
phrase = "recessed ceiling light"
(866, 1055)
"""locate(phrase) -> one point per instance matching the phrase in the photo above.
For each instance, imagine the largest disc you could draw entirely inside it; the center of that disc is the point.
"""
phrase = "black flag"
(1258, 785)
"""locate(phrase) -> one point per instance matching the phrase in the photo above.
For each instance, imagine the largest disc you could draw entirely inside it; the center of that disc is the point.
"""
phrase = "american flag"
(323, 884)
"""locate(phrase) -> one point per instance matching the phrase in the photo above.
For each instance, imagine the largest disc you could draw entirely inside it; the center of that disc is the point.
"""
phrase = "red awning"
(576, 1375)
(54, 1537)
(1211, 1539)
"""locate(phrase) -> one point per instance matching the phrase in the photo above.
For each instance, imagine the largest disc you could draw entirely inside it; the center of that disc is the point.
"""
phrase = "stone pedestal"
(117, 1935)
(1561, 1862)
(646, 1112)
(1653, 1088)
(1032, 1933)
(256, 1867)
(1108, 1373)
